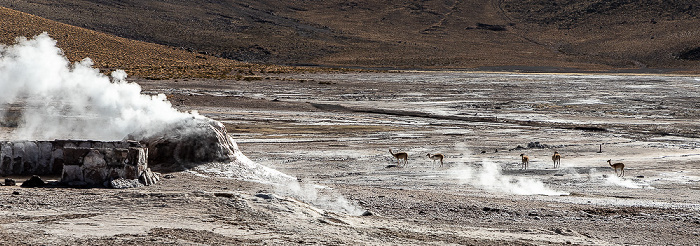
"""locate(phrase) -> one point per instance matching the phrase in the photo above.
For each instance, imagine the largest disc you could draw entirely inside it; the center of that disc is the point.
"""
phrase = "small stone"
(367, 213)
(10, 182)
(224, 194)
(169, 176)
(34, 181)
(264, 196)
(148, 177)
(15, 193)
(122, 183)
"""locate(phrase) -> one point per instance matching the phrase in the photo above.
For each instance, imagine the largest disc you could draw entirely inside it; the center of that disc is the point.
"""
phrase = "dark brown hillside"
(109, 52)
(533, 34)
(622, 33)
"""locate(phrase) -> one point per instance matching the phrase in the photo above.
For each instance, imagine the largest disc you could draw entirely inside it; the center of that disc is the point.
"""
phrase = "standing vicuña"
(616, 166)
(526, 160)
(399, 156)
(556, 158)
(436, 157)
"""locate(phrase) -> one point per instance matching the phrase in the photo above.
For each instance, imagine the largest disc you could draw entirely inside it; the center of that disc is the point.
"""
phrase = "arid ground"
(334, 131)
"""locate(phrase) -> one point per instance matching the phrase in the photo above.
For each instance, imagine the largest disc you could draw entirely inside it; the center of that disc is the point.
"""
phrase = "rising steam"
(489, 177)
(320, 196)
(63, 100)
(54, 99)
(613, 180)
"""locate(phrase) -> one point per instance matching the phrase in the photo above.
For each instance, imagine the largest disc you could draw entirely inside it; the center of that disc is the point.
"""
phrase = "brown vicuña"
(556, 158)
(526, 160)
(399, 156)
(436, 157)
(616, 166)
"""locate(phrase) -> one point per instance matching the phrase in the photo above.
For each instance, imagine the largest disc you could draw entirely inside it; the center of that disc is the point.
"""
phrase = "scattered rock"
(15, 193)
(224, 194)
(122, 183)
(265, 196)
(640, 176)
(367, 213)
(10, 182)
(517, 148)
(169, 176)
(148, 177)
(34, 181)
(537, 145)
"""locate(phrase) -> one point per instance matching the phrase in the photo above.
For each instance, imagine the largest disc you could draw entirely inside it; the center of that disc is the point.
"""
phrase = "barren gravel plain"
(333, 133)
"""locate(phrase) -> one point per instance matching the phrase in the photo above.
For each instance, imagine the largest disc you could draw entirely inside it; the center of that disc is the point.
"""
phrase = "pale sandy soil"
(334, 131)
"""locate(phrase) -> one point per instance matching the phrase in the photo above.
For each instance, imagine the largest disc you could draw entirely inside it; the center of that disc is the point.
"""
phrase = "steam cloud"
(614, 180)
(286, 185)
(489, 177)
(60, 100)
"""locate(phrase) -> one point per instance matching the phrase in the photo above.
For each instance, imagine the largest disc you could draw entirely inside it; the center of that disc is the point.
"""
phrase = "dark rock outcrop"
(33, 182)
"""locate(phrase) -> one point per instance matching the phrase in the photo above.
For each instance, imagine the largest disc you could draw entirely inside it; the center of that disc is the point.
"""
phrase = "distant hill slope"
(620, 33)
(529, 34)
(110, 52)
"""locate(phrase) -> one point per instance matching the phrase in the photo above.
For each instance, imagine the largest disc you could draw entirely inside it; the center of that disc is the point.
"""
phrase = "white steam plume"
(286, 185)
(320, 196)
(489, 177)
(613, 180)
(61, 100)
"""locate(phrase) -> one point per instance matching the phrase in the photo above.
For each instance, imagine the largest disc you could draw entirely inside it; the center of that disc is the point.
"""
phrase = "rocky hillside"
(497, 34)
(138, 58)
